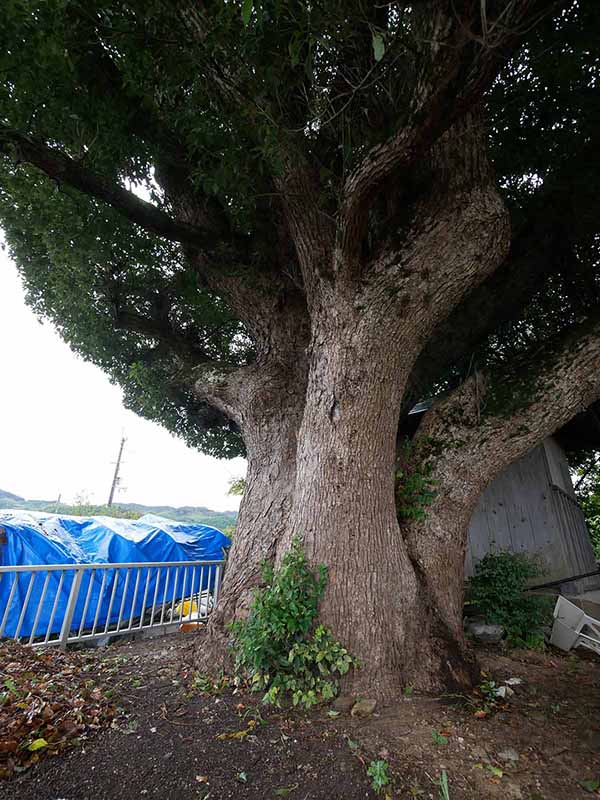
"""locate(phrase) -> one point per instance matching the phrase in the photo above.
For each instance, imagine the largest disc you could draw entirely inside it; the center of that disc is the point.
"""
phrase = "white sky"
(61, 421)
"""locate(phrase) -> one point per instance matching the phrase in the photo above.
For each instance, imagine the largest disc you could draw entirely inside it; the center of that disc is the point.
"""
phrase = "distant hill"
(204, 516)
(8, 496)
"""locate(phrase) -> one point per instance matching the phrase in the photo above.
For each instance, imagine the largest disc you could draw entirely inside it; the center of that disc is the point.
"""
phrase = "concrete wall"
(531, 508)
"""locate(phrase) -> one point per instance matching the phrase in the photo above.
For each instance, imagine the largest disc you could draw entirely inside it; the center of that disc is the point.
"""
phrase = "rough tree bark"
(268, 409)
(266, 401)
(267, 406)
(366, 336)
(468, 441)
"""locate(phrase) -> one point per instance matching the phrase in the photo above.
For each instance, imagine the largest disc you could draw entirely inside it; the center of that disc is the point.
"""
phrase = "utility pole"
(115, 481)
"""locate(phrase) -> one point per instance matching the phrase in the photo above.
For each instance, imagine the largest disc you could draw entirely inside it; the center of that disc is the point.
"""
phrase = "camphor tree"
(327, 238)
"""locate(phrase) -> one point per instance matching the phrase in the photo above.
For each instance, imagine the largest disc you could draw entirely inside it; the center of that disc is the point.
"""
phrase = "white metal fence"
(57, 604)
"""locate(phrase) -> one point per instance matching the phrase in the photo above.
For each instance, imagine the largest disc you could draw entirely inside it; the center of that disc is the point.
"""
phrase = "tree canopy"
(156, 96)
(285, 222)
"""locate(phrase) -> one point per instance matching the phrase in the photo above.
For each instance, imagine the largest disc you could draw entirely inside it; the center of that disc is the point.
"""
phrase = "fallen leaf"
(286, 790)
(590, 785)
(496, 771)
(37, 744)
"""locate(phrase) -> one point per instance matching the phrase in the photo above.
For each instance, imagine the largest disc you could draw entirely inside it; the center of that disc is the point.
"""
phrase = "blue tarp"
(40, 538)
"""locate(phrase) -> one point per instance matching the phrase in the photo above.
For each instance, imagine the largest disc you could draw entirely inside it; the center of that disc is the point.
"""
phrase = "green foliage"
(94, 277)
(443, 786)
(496, 590)
(592, 786)
(207, 684)
(438, 738)
(415, 486)
(379, 772)
(278, 648)
(237, 487)
(378, 46)
(147, 97)
(91, 510)
(229, 530)
(488, 689)
(591, 509)
(588, 494)
(546, 180)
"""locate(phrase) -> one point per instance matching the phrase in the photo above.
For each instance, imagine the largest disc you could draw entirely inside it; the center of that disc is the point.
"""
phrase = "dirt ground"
(169, 741)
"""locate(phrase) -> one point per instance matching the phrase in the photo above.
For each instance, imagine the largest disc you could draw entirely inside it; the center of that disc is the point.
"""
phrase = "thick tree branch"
(163, 332)
(498, 420)
(63, 169)
(311, 229)
(538, 250)
(97, 71)
(467, 443)
(461, 68)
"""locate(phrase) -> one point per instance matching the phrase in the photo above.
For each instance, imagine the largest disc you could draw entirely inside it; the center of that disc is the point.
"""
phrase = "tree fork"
(478, 445)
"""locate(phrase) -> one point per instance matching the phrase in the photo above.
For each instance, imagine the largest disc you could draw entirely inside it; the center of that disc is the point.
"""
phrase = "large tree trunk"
(344, 505)
(267, 405)
(271, 440)
(376, 602)
(367, 331)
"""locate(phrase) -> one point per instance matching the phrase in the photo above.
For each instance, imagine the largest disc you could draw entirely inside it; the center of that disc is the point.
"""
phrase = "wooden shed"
(531, 508)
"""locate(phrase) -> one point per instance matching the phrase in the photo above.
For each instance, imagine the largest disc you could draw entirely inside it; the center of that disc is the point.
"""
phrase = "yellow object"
(186, 607)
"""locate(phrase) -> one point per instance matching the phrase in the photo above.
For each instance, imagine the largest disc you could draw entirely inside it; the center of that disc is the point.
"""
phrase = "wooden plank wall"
(531, 508)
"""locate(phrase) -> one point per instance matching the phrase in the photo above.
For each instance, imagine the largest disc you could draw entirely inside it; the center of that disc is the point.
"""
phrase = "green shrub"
(278, 649)
(379, 772)
(591, 509)
(496, 590)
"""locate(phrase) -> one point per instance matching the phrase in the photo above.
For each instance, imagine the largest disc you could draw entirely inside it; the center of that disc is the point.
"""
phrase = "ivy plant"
(415, 485)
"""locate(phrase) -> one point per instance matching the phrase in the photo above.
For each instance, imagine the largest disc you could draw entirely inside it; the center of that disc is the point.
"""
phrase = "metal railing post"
(217, 585)
(70, 610)
(72, 623)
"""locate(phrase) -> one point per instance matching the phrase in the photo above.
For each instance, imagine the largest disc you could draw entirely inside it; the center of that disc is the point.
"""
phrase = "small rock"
(479, 754)
(363, 708)
(485, 632)
(508, 755)
(513, 791)
(343, 703)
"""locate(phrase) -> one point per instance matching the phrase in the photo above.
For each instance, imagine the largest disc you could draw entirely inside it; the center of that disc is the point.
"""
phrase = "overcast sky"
(61, 421)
